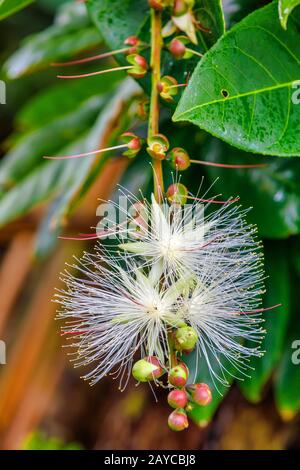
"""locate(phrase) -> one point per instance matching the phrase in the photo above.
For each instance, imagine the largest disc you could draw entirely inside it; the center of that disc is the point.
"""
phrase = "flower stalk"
(153, 129)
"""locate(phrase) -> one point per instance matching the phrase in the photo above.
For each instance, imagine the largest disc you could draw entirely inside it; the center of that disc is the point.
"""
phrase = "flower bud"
(167, 88)
(178, 398)
(186, 338)
(134, 42)
(147, 369)
(177, 48)
(178, 375)
(200, 394)
(134, 144)
(179, 159)
(180, 7)
(178, 420)
(139, 65)
(177, 194)
(158, 145)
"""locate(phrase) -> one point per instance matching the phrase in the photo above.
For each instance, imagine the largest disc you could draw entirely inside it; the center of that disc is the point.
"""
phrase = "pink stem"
(92, 74)
(86, 154)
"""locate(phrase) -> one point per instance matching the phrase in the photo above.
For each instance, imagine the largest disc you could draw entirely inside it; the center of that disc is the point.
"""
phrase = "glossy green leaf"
(9, 7)
(285, 9)
(276, 321)
(287, 384)
(244, 91)
(117, 20)
(273, 192)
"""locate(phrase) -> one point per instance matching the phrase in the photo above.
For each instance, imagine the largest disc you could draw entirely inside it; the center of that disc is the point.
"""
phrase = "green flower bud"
(186, 338)
(177, 194)
(158, 145)
(147, 369)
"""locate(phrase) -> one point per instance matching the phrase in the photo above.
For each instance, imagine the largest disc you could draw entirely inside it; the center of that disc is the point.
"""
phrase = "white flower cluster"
(175, 266)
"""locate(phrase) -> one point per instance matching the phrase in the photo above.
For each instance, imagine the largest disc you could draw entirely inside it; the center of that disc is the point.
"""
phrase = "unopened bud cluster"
(183, 396)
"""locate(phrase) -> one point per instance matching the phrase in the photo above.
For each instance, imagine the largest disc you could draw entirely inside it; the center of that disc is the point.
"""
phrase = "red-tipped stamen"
(94, 236)
(224, 165)
(86, 154)
(260, 310)
(178, 85)
(104, 55)
(213, 201)
(100, 72)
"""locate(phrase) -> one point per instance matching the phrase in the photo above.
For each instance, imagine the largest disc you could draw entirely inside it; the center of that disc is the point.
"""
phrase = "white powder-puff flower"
(111, 313)
(192, 237)
(183, 267)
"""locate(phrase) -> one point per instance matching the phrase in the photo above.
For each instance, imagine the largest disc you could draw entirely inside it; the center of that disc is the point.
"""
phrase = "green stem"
(156, 45)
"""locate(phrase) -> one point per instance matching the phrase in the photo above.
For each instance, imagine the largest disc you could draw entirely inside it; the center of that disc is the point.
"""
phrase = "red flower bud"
(200, 393)
(134, 144)
(177, 49)
(178, 375)
(132, 41)
(178, 398)
(178, 420)
(179, 158)
(147, 369)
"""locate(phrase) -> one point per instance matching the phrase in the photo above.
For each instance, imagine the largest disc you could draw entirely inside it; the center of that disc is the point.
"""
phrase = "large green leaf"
(287, 383)
(243, 89)
(9, 7)
(117, 20)
(273, 191)
(285, 9)
(276, 321)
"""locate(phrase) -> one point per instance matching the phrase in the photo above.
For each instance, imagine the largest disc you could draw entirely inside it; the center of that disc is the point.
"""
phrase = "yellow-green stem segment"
(156, 46)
